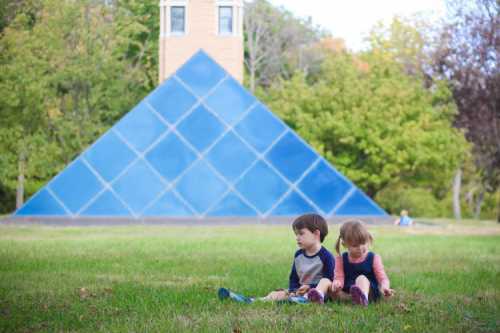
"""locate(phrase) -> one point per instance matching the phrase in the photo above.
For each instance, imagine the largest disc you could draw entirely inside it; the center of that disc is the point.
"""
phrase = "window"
(225, 20)
(177, 19)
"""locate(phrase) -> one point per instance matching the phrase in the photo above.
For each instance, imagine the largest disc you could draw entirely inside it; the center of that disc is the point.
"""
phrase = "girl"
(358, 273)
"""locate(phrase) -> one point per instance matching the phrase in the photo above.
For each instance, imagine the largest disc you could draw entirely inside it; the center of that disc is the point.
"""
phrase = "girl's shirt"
(378, 269)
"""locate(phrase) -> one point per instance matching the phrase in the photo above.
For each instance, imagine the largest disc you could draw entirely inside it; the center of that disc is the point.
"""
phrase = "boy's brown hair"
(312, 222)
(353, 233)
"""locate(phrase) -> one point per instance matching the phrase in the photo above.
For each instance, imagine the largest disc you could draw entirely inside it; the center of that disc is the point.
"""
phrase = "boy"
(312, 262)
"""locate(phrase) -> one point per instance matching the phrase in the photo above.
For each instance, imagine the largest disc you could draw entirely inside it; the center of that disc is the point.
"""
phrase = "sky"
(353, 19)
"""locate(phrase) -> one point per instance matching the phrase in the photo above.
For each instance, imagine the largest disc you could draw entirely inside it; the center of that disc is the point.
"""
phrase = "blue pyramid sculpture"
(199, 145)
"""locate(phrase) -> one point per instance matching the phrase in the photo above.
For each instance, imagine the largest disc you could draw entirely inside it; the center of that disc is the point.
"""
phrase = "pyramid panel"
(359, 204)
(291, 156)
(262, 186)
(168, 205)
(42, 203)
(295, 203)
(200, 145)
(170, 157)
(230, 101)
(231, 157)
(106, 204)
(98, 156)
(138, 186)
(201, 128)
(250, 128)
(201, 187)
(141, 127)
(172, 100)
(75, 186)
(232, 205)
(201, 74)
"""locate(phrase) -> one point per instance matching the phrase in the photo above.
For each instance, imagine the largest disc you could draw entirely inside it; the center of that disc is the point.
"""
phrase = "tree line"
(413, 118)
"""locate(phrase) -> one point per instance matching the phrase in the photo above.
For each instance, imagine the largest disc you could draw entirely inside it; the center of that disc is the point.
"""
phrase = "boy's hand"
(336, 285)
(388, 292)
(303, 289)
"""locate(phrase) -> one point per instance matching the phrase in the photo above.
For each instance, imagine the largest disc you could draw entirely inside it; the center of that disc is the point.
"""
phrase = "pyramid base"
(110, 221)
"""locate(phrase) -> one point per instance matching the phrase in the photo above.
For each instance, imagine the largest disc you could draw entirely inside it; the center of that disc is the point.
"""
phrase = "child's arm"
(338, 280)
(381, 276)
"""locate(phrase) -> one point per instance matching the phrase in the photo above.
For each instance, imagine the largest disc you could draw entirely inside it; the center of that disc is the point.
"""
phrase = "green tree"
(64, 80)
(374, 122)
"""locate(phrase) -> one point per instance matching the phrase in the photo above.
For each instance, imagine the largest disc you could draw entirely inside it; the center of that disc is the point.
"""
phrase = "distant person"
(312, 269)
(404, 220)
(359, 273)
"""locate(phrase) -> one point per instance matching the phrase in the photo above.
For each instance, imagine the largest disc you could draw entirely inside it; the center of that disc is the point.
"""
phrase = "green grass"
(148, 279)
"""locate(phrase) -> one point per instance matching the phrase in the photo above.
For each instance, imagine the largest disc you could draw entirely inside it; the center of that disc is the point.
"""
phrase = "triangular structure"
(199, 145)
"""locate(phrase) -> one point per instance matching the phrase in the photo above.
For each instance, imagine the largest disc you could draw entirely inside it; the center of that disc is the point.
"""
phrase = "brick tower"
(216, 26)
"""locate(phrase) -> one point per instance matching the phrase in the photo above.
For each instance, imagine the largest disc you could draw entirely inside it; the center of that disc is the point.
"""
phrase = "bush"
(419, 202)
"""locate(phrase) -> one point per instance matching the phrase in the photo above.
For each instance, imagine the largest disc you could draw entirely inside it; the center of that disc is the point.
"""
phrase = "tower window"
(225, 20)
(178, 19)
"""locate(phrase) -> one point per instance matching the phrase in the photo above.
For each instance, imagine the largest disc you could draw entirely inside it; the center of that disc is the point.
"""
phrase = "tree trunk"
(457, 183)
(20, 180)
(478, 204)
(252, 79)
(498, 210)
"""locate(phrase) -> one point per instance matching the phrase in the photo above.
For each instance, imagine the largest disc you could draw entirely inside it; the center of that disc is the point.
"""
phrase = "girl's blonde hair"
(353, 233)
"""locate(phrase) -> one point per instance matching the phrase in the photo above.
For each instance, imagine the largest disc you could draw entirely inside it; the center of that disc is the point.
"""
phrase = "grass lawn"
(151, 278)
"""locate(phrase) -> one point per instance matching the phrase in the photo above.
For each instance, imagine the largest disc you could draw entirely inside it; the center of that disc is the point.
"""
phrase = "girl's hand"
(388, 292)
(303, 289)
(336, 285)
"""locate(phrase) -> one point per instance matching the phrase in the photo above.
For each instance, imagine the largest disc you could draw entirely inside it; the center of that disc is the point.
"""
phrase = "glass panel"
(232, 205)
(170, 157)
(201, 73)
(201, 187)
(140, 127)
(261, 186)
(231, 157)
(201, 128)
(177, 19)
(171, 100)
(168, 205)
(230, 100)
(260, 128)
(98, 156)
(291, 156)
(359, 204)
(75, 186)
(106, 205)
(138, 186)
(42, 203)
(293, 204)
(324, 186)
(225, 20)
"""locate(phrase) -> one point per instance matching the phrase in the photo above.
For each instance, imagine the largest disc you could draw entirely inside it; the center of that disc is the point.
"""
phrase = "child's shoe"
(314, 296)
(224, 293)
(297, 299)
(358, 297)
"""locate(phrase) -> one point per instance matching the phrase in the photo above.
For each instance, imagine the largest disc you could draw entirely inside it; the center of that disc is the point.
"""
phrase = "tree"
(375, 123)
(468, 57)
(67, 94)
(277, 44)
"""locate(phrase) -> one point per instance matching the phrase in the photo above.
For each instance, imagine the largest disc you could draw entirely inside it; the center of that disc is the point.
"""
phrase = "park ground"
(164, 279)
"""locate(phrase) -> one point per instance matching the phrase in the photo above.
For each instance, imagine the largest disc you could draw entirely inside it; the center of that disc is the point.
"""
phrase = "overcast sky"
(353, 19)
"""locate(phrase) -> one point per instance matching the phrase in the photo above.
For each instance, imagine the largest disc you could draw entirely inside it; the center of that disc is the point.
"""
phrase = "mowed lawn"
(165, 279)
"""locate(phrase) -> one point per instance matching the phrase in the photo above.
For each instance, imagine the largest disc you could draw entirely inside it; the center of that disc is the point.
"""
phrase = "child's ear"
(317, 233)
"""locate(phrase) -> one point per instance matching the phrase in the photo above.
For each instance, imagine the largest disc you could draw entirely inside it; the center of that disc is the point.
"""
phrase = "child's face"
(307, 239)
(357, 250)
